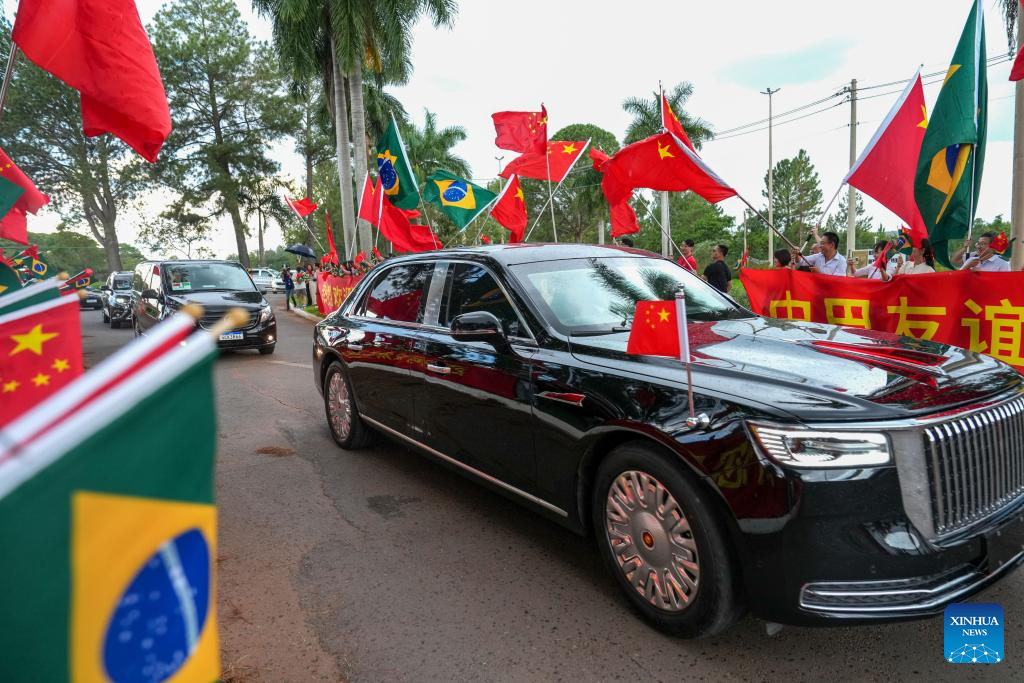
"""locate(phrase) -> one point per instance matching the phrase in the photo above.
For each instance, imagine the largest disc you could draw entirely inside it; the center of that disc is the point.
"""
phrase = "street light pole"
(771, 172)
(499, 160)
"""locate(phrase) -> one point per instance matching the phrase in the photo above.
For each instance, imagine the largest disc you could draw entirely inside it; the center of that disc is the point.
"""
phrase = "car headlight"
(811, 449)
(122, 299)
(266, 313)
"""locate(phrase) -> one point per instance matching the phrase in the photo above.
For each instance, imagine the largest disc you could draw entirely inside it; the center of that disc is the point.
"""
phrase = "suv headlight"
(811, 449)
(266, 313)
(122, 299)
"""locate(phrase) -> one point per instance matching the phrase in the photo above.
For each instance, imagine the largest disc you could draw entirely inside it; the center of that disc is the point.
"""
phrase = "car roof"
(512, 254)
(188, 261)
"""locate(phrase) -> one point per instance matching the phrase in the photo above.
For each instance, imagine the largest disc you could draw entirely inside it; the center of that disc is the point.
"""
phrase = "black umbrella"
(301, 250)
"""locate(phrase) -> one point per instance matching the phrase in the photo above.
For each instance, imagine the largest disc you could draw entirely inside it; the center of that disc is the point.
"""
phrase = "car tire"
(267, 350)
(347, 428)
(699, 593)
(106, 318)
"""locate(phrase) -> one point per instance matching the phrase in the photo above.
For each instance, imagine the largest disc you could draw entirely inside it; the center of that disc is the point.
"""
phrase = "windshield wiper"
(599, 333)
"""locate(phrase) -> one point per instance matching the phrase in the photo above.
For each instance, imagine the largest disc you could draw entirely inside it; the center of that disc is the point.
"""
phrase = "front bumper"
(260, 336)
(120, 313)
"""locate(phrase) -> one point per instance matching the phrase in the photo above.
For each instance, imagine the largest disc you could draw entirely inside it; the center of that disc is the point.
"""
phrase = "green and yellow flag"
(953, 150)
(108, 522)
(460, 199)
(395, 170)
(9, 280)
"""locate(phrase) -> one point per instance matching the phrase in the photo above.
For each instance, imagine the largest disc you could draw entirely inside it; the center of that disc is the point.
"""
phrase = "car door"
(473, 402)
(377, 344)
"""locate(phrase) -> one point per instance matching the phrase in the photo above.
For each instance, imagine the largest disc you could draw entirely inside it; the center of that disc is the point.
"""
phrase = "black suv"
(117, 298)
(161, 287)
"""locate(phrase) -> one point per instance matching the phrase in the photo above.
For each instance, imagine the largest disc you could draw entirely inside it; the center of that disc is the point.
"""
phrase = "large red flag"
(623, 216)
(670, 122)
(332, 255)
(1017, 72)
(369, 206)
(302, 207)
(510, 209)
(561, 157)
(100, 49)
(396, 227)
(886, 167)
(13, 225)
(661, 162)
(521, 131)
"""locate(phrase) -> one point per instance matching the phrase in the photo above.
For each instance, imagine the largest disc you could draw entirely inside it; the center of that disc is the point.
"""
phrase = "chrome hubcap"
(651, 541)
(339, 407)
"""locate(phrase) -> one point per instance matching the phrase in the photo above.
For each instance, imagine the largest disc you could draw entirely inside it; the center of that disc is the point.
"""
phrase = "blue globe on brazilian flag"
(108, 525)
(461, 200)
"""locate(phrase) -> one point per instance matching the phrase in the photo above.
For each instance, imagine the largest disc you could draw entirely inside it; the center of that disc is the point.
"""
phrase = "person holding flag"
(984, 260)
(922, 260)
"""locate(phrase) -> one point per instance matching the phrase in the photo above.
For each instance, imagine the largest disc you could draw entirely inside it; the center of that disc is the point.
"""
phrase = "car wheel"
(665, 545)
(267, 350)
(347, 428)
(106, 318)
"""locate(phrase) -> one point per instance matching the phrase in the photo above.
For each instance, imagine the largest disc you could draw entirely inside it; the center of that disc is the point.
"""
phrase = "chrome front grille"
(210, 318)
(975, 465)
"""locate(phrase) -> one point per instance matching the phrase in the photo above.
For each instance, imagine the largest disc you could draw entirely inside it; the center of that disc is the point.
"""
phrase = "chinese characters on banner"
(977, 311)
(331, 290)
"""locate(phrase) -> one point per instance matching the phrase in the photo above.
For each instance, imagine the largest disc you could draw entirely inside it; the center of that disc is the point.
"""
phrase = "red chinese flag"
(360, 257)
(40, 352)
(1017, 72)
(100, 49)
(14, 226)
(599, 157)
(562, 156)
(624, 220)
(655, 331)
(521, 131)
(395, 226)
(510, 209)
(302, 207)
(332, 255)
(369, 204)
(886, 167)
(1000, 243)
(670, 122)
(661, 162)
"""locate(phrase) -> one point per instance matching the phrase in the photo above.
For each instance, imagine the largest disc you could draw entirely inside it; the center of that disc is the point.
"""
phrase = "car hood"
(218, 301)
(815, 371)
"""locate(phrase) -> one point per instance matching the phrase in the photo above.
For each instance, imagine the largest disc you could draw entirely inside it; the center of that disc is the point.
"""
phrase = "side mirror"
(149, 294)
(105, 288)
(479, 326)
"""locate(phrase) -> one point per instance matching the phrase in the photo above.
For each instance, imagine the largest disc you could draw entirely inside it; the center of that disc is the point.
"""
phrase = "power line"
(781, 123)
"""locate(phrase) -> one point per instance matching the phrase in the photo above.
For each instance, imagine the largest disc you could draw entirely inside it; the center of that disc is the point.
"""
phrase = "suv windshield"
(599, 295)
(192, 277)
(119, 283)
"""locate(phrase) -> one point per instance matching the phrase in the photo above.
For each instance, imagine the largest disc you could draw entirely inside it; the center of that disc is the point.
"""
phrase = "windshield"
(119, 283)
(599, 296)
(193, 277)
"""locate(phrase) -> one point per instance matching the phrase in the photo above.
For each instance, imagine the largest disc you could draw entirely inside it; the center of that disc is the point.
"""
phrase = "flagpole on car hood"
(694, 420)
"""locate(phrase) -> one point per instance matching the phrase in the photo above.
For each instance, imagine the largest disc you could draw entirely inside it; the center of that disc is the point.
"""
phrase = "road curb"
(303, 314)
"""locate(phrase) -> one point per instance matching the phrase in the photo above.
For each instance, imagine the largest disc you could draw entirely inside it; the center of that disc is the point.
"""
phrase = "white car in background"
(267, 280)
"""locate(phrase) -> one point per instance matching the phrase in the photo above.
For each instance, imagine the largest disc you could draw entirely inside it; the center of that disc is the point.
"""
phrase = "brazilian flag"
(461, 200)
(31, 265)
(395, 170)
(9, 280)
(107, 521)
(953, 150)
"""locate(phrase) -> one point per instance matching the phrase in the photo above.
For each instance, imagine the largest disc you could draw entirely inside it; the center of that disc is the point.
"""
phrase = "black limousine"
(842, 475)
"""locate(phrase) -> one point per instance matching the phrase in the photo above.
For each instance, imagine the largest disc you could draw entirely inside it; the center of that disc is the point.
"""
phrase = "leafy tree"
(313, 136)
(90, 180)
(691, 217)
(430, 149)
(180, 231)
(580, 206)
(261, 197)
(646, 115)
(226, 103)
(66, 250)
(837, 221)
(797, 201)
(130, 257)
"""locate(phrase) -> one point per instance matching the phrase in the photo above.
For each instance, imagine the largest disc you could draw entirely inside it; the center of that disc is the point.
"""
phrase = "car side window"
(398, 294)
(154, 279)
(475, 289)
(139, 278)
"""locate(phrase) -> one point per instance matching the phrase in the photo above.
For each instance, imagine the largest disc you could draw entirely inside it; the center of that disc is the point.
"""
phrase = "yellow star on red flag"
(32, 340)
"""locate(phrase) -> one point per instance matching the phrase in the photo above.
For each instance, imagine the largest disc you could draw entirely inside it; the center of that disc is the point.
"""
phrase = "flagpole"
(11, 59)
(419, 195)
(567, 172)
(824, 214)
(771, 227)
(694, 420)
(670, 241)
(551, 203)
(477, 214)
(289, 204)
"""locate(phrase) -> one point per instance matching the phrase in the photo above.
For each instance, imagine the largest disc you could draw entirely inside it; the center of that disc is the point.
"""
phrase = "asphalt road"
(380, 565)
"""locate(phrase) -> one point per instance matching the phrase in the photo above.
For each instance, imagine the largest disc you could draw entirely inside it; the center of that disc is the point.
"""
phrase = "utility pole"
(600, 232)
(771, 173)
(851, 193)
(499, 160)
(1017, 198)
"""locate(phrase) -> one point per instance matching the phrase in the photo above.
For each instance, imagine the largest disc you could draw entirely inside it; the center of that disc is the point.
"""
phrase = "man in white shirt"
(829, 261)
(984, 260)
(870, 271)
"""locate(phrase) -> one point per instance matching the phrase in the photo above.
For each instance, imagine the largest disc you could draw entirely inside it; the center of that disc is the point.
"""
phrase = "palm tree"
(647, 115)
(430, 147)
(1011, 10)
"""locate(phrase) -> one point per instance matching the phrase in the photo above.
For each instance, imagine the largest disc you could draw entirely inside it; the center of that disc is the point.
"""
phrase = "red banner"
(332, 290)
(977, 311)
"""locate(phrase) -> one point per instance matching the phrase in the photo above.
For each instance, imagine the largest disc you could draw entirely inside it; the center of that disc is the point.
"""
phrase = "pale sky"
(583, 57)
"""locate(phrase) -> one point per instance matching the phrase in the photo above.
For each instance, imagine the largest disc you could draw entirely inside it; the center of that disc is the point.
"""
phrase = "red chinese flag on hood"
(100, 49)
(13, 225)
(886, 167)
(40, 352)
(670, 122)
(655, 331)
(661, 162)
(510, 209)
(561, 157)
(521, 131)
(302, 207)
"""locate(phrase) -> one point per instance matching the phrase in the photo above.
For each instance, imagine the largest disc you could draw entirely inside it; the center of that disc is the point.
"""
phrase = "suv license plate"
(231, 336)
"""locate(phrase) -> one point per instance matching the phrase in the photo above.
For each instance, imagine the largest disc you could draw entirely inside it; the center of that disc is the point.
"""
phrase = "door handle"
(439, 369)
(352, 346)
